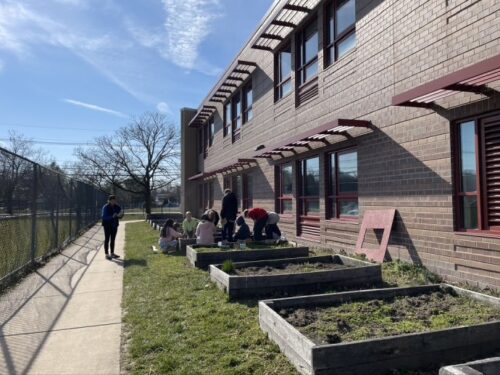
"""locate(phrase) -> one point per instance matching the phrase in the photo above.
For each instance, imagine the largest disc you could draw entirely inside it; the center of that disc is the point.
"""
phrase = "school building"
(334, 108)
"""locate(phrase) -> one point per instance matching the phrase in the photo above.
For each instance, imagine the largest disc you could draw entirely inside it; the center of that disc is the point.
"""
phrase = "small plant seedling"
(228, 266)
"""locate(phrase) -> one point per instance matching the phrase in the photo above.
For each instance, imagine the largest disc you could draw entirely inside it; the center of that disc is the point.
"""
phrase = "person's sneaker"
(108, 257)
(114, 256)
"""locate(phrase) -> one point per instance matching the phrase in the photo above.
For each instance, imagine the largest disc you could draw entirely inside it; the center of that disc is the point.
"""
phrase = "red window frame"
(247, 108)
(211, 130)
(237, 113)
(278, 79)
(332, 41)
(303, 199)
(301, 62)
(334, 195)
(227, 117)
(483, 225)
(281, 197)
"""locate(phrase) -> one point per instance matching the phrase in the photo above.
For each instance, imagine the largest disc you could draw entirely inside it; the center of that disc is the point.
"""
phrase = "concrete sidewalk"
(66, 317)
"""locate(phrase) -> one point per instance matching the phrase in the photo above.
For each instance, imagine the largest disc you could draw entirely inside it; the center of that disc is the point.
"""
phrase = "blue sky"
(71, 70)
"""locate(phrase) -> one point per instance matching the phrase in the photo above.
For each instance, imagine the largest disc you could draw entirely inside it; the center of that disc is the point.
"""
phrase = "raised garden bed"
(293, 276)
(184, 242)
(203, 256)
(490, 366)
(374, 331)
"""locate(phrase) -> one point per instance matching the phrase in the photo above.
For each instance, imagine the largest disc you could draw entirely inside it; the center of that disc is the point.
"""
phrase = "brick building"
(336, 107)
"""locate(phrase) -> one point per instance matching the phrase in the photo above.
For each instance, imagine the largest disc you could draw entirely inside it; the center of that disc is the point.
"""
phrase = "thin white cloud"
(164, 108)
(94, 107)
(187, 25)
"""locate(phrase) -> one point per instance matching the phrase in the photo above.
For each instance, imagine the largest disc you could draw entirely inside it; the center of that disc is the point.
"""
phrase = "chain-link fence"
(41, 210)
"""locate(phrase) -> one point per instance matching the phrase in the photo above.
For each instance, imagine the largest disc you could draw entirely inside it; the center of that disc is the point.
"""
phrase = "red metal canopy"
(470, 79)
(318, 134)
(226, 168)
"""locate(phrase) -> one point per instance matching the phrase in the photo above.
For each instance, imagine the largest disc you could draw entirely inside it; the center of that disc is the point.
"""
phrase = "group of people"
(204, 230)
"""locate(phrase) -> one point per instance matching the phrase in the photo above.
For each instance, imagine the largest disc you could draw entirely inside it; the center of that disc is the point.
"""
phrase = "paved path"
(66, 317)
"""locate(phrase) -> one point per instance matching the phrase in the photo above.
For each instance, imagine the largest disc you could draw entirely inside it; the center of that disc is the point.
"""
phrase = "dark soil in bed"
(288, 268)
(361, 320)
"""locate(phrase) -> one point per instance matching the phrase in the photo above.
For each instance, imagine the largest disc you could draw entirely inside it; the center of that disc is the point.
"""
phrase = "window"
(237, 116)
(211, 194)
(477, 173)
(341, 29)
(283, 71)
(211, 126)
(227, 184)
(205, 140)
(227, 118)
(309, 187)
(307, 53)
(342, 200)
(247, 197)
(200, 141)
(247, 103)
(284, 189)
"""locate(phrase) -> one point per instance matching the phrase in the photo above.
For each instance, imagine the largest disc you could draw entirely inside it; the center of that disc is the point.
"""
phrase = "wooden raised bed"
(490, 366)
(378, 355)
(349, 273)
(205, 259)
(184, 242)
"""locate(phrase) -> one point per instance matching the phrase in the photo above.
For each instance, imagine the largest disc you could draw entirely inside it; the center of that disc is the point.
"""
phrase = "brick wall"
(405, 162)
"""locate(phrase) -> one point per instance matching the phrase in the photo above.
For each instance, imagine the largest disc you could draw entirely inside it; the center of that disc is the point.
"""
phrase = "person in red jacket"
(259, 217)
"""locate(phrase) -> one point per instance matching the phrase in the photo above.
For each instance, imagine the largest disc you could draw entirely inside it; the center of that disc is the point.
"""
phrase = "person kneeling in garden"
(272, 230)
(168, 237)
(205, 231)
(259, 217)
(189, 225)
(243, 232)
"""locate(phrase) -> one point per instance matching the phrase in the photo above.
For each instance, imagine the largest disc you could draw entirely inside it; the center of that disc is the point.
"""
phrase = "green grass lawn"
(178, 322)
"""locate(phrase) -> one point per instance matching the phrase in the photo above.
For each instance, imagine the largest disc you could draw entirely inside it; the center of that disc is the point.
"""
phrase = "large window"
(283, 71)
(477, 182)
(228, 117)
(342, 200)
(341, 29)
(247, 103)
(307, 53)
(284, 189)
(237, 116)
(309, 187)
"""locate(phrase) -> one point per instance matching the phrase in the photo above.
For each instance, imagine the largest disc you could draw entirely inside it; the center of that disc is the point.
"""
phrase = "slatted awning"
(202, 115)
(319, 134)
(240, 163)
(285, 21)
(473, 79)
(196, 177)
(233, 79)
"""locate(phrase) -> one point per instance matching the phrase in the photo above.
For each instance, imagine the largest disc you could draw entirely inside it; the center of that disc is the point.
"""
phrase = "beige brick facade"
(405, 161)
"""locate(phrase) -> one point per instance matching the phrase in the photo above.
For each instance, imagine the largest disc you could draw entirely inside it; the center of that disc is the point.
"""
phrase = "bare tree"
(16, 169)
(139, 158)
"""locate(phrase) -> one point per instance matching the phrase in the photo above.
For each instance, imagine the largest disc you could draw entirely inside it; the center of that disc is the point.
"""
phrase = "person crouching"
(243, 232)
(168, 237)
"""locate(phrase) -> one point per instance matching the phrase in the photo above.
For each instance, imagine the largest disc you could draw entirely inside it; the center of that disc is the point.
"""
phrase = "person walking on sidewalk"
(228, 213)
(259, 217)
(111, 214)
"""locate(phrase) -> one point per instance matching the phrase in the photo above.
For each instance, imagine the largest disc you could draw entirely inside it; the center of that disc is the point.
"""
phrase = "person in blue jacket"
(111, 214)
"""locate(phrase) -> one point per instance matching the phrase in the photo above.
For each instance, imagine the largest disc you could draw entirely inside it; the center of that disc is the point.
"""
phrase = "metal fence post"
(34, 212)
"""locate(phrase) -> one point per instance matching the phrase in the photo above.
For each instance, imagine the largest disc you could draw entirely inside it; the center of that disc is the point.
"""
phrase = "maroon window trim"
(333, 192)
(246, 107)
(301, 62)
(484, 226)
(227, 117)
(237, 120)
(331, 46)
(282, 198)
(303, 199)
(278, 79)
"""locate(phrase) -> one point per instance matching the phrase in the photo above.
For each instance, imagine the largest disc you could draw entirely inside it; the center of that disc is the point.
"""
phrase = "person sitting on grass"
(205, 231)
(168, 237)
(243, 232)
(178, 228)
(259, 217)
(189, 225)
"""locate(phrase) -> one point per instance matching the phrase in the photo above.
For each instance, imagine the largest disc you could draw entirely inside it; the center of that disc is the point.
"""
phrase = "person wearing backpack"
(111, 214)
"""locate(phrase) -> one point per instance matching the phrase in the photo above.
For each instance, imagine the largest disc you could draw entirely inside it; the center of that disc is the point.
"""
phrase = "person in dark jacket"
(259, 217)
(228, 213)
(111, 214)
(243, 233)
